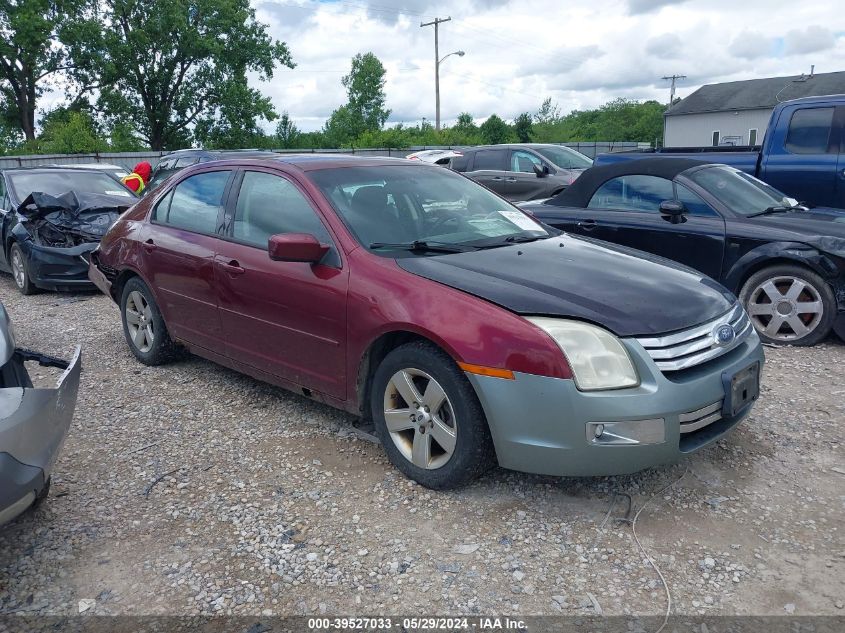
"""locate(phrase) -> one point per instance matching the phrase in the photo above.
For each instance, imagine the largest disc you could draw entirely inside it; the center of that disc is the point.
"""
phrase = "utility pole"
(436, 22)
(673, 79)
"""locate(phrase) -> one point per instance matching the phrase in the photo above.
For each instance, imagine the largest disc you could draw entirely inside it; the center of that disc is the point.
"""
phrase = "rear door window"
(196, 204)
(633, 193)
(809, 131)
(490, 159)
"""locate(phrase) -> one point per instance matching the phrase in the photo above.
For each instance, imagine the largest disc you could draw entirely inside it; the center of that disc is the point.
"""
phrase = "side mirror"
(541, 170)
(674, 209)
(295, 247)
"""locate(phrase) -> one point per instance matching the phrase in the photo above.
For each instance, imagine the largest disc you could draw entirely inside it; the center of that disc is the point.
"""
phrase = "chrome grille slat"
(691, 347)
(694, 420)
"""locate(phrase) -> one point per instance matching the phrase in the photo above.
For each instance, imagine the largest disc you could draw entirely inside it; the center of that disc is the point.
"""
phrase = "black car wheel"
(20, 270)
(429, 419)
(143, 325)
(789, 305)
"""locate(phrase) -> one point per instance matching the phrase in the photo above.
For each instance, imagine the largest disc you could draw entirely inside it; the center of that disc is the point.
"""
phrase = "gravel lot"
(270, 503)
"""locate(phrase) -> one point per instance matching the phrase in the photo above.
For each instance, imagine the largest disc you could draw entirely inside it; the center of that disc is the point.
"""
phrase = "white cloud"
(582, 54)
(812, 39)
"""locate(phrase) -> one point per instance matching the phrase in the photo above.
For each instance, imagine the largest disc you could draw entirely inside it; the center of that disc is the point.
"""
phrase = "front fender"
(797, 252)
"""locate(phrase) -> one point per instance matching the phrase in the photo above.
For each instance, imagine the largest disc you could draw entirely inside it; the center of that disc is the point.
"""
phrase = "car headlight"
(597, 358)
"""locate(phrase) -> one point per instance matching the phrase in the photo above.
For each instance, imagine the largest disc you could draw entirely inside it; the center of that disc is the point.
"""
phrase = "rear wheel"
(143, 325)
(20, 270)
(789, 305)
(429, 419)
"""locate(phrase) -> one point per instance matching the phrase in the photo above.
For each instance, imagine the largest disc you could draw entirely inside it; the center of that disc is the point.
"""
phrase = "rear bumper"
(545, 425)
(34, 423)
(98, 277)
(59, 268)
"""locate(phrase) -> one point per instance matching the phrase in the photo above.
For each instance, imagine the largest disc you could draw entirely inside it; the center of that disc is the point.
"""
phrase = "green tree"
(522, 127)
(31, 54)
(167, 66)
(287, 134)
(549, 112)
(365, 89)
(365, 109)
(71, 132)
(494, 130)
(124, 138)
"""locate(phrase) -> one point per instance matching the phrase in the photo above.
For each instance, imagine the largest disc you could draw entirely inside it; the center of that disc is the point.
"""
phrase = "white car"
(435, 156)
(115, 170)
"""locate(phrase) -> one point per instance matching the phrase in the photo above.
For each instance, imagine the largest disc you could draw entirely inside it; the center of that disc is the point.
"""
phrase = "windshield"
(738, 191)
(403, 204)
(57, 182)
(565, 157)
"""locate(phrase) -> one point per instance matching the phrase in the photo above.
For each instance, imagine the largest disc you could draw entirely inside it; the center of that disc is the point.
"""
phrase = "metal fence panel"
(130, 159)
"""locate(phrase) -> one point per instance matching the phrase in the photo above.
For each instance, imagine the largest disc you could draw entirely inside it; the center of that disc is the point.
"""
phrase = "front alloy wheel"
(789, 305)
(428, 417)
(420, 418)
(20, 270)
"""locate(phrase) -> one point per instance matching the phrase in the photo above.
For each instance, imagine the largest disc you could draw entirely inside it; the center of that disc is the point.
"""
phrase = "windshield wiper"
(779, 209)
(511, 239)
(421, 246)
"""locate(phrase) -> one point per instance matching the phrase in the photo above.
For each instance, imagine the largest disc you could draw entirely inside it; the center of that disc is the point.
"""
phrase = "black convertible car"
(51, 218)
(785, 261)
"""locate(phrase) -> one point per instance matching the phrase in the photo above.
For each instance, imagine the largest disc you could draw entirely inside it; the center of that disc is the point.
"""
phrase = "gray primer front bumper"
(33, 425)
(538, 423)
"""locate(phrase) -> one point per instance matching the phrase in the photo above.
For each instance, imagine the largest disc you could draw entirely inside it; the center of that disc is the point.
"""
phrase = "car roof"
(52, 168)
(315, 161)
(517, 146)
(579, 193)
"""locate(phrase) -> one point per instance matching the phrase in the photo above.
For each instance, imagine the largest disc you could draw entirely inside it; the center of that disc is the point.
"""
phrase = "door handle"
(232, 267)
(588, 225)
(149, 245)
(497, 178)
(510, 179)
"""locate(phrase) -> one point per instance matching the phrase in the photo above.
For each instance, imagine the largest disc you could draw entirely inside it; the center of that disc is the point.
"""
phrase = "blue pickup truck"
(803, 152)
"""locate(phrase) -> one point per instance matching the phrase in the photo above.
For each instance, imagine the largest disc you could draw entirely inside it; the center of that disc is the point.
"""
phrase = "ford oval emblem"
(724, 335)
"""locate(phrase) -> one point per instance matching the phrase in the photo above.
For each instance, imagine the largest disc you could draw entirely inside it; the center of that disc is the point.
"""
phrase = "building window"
(716, 135)
(752, 136)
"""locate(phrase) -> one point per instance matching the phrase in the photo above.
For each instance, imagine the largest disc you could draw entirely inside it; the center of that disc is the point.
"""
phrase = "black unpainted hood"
(626, 291)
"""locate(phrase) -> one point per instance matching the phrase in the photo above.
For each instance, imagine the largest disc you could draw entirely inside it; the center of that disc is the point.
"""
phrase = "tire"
(139, 313)
(789, 305)
(458, 421)
(20, 270)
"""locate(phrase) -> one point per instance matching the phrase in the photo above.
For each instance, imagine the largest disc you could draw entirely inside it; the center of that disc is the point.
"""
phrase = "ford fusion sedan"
(785, 261)
(470, 333)
(33, 422)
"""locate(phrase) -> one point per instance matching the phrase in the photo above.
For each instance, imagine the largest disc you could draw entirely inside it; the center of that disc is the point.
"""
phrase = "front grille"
(688, 348)
(698, 419)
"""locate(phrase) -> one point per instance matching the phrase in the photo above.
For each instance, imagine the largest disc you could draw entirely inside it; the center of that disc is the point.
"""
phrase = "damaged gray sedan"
(33, 422)
(51, 218)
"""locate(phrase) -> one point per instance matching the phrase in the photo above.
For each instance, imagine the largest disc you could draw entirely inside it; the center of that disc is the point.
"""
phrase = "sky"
(581, 53)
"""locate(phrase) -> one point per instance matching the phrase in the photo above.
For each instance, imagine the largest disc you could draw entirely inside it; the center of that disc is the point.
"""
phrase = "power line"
(436, 22)
(673, 79)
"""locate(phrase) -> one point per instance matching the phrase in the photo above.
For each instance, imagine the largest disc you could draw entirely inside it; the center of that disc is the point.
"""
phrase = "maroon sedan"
(471, 333)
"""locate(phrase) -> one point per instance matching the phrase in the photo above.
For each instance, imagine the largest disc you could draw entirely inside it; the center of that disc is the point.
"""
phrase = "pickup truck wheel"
(143, 325)
(789, 305)
(429, 419)
(20, 270)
